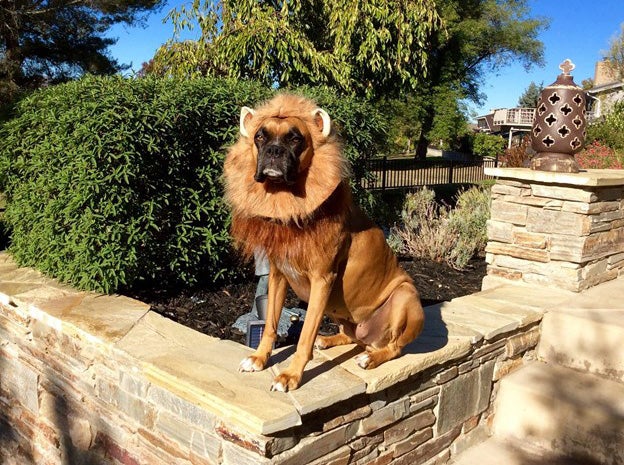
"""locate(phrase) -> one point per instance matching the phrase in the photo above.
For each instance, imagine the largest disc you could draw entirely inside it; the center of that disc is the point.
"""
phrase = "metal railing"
(518, 116)
(399, 173)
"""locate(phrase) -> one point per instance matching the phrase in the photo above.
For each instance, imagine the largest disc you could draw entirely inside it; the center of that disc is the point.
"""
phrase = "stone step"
(586, 340)
(559, 409)
(585, 333)
(497, 452)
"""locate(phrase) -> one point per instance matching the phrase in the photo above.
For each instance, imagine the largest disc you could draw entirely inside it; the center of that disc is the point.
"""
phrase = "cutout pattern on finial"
(577, 122)
(566, 110)
(554, 98)
(548, 141)
(564, 131)
(578, 100)
(550, 119)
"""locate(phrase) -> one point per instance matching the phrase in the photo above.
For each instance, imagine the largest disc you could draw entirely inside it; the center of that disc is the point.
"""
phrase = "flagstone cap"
(590, 178)
(203, 370)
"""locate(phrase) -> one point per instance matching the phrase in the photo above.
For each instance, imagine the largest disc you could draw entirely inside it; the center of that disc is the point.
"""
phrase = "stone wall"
(89, 379)
(554, 229)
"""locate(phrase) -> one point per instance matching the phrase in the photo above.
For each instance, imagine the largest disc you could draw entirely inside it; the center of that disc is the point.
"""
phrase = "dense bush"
(610, 130)
(487, 145)
(518, 156)
(113, 182)
(469, 222)
(425, 231)
(439, 233)
(598, 156)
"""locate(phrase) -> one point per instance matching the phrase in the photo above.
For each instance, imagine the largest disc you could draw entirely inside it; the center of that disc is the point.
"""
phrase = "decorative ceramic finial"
(559, 126)
(567, 66)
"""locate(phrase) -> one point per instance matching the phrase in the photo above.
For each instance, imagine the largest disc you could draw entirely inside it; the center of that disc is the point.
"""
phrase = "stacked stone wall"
(69, 398)
(91, 379)
(88, 379)
(571, 237)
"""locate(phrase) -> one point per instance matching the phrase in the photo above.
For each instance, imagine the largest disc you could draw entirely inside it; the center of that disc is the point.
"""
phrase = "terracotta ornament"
(559, 127)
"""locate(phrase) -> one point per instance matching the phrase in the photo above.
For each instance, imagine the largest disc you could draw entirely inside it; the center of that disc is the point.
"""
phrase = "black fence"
(407, 172)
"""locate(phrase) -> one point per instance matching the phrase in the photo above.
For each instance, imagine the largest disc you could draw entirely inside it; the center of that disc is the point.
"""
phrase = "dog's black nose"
(275, 151)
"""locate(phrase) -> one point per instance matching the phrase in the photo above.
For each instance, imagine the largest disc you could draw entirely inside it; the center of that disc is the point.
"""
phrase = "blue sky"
(579, 30)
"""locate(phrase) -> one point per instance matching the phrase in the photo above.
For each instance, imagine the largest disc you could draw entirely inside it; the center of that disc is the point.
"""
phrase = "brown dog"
(286, 181)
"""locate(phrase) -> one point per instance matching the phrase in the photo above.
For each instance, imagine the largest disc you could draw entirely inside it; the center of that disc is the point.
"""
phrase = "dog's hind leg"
(339, 339)
(277, 295)
(406, 321)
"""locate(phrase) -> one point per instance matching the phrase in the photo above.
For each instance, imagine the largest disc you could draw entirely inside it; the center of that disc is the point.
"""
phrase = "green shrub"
(610, 130)
(439, 233)
(425, 229)
(469, 221)
(488, 145)
(114, 183)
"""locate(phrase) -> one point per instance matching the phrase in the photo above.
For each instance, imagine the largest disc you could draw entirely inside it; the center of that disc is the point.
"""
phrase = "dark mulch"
(214, 311)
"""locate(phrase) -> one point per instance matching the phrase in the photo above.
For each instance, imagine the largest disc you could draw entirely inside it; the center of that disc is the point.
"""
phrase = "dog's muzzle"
(276, 163)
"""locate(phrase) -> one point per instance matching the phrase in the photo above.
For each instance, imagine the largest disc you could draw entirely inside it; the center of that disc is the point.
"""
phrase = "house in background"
(507, 122)
(607, 90)
(511, 122)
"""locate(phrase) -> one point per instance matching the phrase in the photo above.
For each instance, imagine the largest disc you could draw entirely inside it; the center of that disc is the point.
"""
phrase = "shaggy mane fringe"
(327, 170)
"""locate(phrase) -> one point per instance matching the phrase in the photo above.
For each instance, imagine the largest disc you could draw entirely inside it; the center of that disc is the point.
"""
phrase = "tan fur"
(320, 244)
(327, 169)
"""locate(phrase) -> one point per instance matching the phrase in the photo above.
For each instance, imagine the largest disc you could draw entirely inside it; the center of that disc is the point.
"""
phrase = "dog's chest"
(297, 280)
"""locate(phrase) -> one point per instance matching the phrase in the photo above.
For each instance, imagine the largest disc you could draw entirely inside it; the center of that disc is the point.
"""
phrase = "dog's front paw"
(251, 363)
(363, 360)
(285, 382)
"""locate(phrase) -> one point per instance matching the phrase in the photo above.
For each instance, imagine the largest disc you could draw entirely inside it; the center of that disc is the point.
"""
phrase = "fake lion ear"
(322, 120)
(246, 114)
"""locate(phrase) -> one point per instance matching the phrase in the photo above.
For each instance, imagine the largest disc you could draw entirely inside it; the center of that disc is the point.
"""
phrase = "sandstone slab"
(436, 326)
(609, 296)
(508, 213)
(464, 397)
(536, 298)
(590, 178)
(586, 340)
(207, 376)
(499, 231)
(527, 253)
(101, 318)
(552, 221)
(559, 408)
(523, 315)
(487, 323)
(425, 352)
(324, 383)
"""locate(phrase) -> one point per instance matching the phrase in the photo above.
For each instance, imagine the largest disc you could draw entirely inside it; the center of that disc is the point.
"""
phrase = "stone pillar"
(564, 230)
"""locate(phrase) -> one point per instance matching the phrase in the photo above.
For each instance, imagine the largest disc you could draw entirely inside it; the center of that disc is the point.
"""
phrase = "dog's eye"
(296, 139)
(259, 137)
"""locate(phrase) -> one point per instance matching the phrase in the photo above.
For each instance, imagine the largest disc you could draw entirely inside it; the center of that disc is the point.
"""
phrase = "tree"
(587, 84)
(48, 41)
(615, 55)
(479, 36)
(374, 48)
(377, 49)
(404, 115)
(531, 95)
(450, 123)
